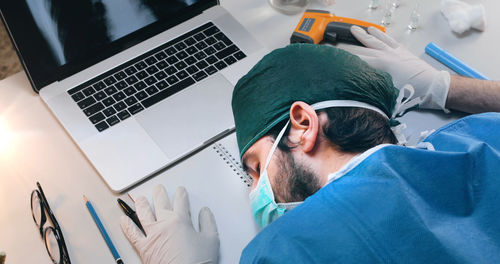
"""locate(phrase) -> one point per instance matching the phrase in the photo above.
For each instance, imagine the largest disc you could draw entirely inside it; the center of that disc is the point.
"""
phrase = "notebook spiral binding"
(233, 163)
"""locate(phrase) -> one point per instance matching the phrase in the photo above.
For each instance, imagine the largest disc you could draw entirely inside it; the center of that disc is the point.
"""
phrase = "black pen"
(130, 213)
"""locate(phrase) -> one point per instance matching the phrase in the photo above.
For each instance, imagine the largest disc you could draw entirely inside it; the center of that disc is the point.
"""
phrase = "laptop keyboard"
(146, 80)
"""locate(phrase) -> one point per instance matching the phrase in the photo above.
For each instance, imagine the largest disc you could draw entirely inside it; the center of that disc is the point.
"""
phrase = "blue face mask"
(264, 208)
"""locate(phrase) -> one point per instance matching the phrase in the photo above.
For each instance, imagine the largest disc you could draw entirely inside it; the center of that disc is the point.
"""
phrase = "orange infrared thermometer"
(316, 26)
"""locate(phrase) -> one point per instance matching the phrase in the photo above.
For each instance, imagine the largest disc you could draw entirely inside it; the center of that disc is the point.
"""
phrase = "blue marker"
(452, 62)
(103, 231)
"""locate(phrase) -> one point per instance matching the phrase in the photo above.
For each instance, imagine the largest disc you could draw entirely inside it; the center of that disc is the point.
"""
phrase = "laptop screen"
(57, 38)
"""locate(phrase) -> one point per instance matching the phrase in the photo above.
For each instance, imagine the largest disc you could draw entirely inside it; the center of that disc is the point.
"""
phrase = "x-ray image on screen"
(76, 27)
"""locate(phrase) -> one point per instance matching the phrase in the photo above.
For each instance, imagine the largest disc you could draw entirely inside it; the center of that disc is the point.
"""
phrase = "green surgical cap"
(304, 72)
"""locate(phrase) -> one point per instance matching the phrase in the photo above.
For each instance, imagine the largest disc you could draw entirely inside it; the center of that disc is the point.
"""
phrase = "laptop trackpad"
(184, 121)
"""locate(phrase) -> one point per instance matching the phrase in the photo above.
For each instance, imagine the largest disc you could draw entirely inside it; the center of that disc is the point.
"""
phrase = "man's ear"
(305, 125)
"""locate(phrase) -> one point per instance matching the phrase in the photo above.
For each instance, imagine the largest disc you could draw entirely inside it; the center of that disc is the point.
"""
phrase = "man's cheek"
(254, 184)
(279, 181)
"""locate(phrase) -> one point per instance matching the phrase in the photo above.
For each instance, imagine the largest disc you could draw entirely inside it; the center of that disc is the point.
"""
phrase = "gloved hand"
(384, 53)
(171, 237)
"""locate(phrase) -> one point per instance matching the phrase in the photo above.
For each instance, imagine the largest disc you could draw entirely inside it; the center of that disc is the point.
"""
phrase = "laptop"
(137, 84)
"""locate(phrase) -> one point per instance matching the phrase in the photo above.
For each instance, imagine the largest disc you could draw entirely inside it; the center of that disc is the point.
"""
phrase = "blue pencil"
(103, 231)
(452, 62)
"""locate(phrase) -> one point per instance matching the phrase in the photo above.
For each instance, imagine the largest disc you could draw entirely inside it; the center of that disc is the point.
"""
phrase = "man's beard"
(294, 182)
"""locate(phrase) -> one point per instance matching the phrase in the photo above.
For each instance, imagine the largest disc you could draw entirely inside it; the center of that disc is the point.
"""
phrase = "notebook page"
(210, 181)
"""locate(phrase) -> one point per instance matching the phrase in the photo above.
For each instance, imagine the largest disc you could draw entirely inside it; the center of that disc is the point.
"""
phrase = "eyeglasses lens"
(36, 208)
(52, 245)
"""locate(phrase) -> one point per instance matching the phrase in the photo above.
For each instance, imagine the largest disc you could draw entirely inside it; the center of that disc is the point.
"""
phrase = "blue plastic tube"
(452, 62)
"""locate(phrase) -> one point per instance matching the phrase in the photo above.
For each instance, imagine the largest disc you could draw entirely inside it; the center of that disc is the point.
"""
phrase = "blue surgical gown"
(401, 205)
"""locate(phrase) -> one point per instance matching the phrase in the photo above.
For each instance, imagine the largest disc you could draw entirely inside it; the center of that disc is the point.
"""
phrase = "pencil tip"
(85, 198)
(129, 196)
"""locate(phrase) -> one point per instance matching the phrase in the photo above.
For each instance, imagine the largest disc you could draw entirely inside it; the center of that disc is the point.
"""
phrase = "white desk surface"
(35, 147)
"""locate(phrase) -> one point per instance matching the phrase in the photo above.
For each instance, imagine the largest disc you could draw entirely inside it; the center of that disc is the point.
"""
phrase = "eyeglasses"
(52, 235)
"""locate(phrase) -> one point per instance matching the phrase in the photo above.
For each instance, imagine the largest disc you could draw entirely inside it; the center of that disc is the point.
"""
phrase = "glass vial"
(373, 4)
(387, 13)
(414, 17)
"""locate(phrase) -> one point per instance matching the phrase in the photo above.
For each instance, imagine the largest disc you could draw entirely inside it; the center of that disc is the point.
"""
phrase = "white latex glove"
(171, 237)
(384, 53)
(462, 16)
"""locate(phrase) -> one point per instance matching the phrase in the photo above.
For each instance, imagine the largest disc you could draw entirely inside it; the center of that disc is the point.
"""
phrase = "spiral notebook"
(213, 177)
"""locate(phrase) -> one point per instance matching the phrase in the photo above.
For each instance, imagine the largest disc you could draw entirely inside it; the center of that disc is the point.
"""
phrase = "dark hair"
(349, 129)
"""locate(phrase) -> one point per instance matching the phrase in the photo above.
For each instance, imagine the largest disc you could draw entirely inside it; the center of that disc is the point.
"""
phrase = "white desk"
(34, 147)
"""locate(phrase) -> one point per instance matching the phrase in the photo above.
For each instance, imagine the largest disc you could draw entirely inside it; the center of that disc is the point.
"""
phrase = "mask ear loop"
(275, 145)
(290, 205)
(269, 157)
